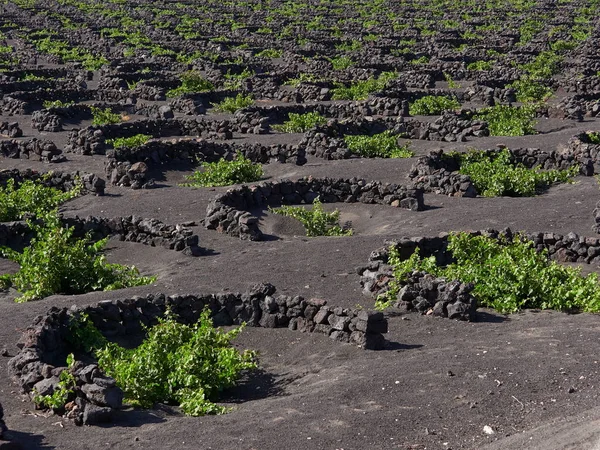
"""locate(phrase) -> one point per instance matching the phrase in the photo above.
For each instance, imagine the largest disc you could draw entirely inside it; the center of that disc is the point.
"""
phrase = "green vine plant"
(508, 275)
(506, 120)
(129, 142)
(382, 145)
(300, 123)
(495, 175)
(64, 391)
(192, 82)
(233, 104)
(432, 105)
(56, 262)
(225, 173)
(186, 364)
(104, 116)
(316, 221)
(31, 198)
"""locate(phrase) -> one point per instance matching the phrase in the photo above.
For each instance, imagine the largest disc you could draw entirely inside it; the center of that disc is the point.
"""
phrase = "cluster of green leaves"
(270, 53)
(64, 390)
(506, 120)
(528, 90)
(233, 104)
(451, 83)
(299, 123)
(30, 197)
(543, 66)
(83, 334)
(104, 116)
(382, 145)
(361, 89)
(225, 173)
(233, 81)
(341, 62)
(593, 136)
(63, 50)
(129, 142)
(302, 78)
(495, 175)
(187, 364)
(56, 262)
(316, 221)
(192, 82)
(508, 275)
(56, 104)
(480, 65)
(431, 105)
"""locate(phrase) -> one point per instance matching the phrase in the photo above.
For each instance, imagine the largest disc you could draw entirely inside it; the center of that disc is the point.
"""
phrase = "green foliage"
(528, 90)
(104, 117)
(270, 53)
(192, 82)
(451, 83)
(544, 65)
(593, 136)
(361, 89)
(83, 334)
(496, 175)
(31, 198)
(382, 145)
(56, 104)
(341, 62)
(480, 65)
(129, 142)
(299, 123)
(432, 105)
(56, 262)
(187, 364)
(420, 61)
(234, 80)
(65, 389)
(508, 275)
(505, 120)
(226, 173)
(316, 221)
(232, 104)
(302, 78)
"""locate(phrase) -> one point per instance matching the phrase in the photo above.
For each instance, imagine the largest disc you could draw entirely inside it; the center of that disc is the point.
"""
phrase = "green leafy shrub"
(104, 116)
(302, 78)
(382, 145)
(341, 62)
(187, 364)
(83, 334)
(494, 176)
(65, 389)
(55, 262)
(508, 275)
(31, 198)
(232, 104)
(316, 221)
(361, 89)
(192, 82)
(299, 123)
(480, 65)
(594, 137)
(432, 105)
(504, 120)
(270, 53)
(226, 173)
(129, 142)
(56, 104)
(528, 90)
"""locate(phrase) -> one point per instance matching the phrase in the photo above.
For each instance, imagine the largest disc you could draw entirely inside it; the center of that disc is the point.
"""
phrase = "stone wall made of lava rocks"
(11, 129)
(228, 212)
(45, 344)
(33, 149)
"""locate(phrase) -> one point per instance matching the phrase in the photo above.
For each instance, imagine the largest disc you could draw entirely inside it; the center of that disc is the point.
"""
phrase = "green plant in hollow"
(232, 104)
(270, 53)
(506, 120)
(83, 334)
(129, 142)
(57, 262)
(225, 173)
(64, 390)
(432, 105)
(382, 145)
(593, 136)
(528, 91)
(299, 123)
(192, 82)
(480, 65)
(104, 116)
(302, 78)
(31, 197)
(56, 104)
(341, 62)
(316, 221)
(508, 275)
(187, 364)
(360, 90)
(451, 83)
(495, 175)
